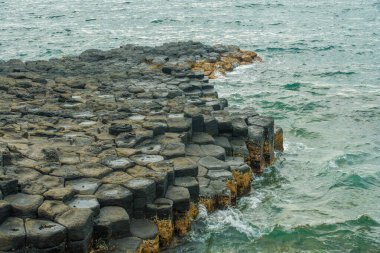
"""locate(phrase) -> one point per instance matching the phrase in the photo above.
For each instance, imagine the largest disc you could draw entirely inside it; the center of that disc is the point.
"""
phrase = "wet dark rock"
(164, 167)
(78, 222)
(8, 186)
(42, 234)
(184, 167)
(127, 244)
(162, 208)
(112, 222)
(24, 205)
(211, 125)
(12, 235)
(224, 123)
(239, 127)
(117, 129)
(144, 229)
(239, 147)
(142, 188)
(180, 197)
(190, 183)
(114, 195)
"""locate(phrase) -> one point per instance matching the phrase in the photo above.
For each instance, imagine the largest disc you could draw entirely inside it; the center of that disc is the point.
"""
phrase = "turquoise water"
(320, 79)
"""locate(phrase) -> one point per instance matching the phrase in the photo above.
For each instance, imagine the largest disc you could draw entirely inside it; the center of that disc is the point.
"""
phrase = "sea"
(319, 79)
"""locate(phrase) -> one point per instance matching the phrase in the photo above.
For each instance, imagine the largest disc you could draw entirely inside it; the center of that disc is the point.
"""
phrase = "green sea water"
(320, 79)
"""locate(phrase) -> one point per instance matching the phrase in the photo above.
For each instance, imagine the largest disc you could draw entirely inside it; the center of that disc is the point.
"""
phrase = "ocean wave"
(350, 159)
(356, 181)
(304, 133)
(326, 237)
(335, 73)
(292, 86)
(281, 49)
(257, 5)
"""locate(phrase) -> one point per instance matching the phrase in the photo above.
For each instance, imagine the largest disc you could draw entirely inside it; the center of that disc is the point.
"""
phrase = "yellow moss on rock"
(182, 223)
(243, 181)
(101, 246)
(224, 201)
(151, 246)
(227, 63)
(209, 203)
(165, 231)
(193, 211)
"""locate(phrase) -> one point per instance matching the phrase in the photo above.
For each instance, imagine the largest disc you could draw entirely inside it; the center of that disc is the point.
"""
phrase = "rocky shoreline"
(114, 150)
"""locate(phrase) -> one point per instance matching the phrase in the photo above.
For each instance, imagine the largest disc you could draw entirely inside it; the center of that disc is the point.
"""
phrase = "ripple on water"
(356, 181)
(334, 237)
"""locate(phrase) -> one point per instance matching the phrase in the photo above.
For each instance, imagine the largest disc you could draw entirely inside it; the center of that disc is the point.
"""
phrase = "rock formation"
(113, 150)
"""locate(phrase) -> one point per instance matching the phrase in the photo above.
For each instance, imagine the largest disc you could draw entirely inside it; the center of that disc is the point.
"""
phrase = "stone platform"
(113, 150)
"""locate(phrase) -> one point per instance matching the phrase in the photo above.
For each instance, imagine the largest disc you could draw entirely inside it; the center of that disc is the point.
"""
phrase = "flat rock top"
(177, 193)
(21, 199)
(144, 229)
(212, 163)
(139, 183)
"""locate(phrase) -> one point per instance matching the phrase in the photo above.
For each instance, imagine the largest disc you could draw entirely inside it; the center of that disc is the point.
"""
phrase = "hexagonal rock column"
(267, 123)
(190, 183)
(24, 205)
(226, 177)
(184, 166)
(181, 206)
(112, 222)
(45, 236)
(12, 235)
(161, 212)
(223, 195)
(144, 192)
(115, 195)
(255, 145)
(148, 232)
(79, 225)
